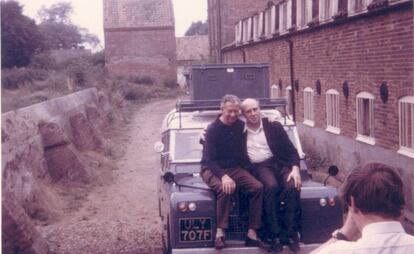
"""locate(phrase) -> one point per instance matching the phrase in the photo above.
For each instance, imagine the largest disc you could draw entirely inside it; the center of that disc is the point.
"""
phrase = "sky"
(89, 13)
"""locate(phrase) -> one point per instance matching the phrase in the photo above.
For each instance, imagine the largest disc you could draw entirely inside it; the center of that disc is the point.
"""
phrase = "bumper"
(243, 250)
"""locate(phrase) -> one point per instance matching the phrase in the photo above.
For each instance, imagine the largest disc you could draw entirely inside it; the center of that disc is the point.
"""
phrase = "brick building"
(190, 50)
(140, 38)
(222, 15)
(349, 66)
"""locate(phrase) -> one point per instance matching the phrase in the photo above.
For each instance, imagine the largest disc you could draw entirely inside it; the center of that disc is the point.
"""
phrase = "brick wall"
(222, 16)
(140, 38)
(365, 51)
(141, 53)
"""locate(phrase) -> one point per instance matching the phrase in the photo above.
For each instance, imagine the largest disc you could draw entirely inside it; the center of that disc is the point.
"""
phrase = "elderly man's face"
(251, 112)
(230, 112)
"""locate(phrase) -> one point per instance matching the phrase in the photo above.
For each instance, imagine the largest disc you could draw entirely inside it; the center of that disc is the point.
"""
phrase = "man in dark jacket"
(222, 169)
(275, 163)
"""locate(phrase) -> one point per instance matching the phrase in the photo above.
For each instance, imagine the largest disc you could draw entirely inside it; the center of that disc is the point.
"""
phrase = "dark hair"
(376, 189)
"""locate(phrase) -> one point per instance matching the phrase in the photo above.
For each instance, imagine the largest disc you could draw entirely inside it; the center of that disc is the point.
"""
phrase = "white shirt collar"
(256, 131)
(382, 227)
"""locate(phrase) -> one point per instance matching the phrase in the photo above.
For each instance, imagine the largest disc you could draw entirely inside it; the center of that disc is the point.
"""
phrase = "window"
(332, 111)
(328, 8)
(365, 117)
(239, 32)
(247, 30)
(270, 20)
(357, 6)
(406, 125)
(258, 26)
(274, 91)
(304, 12)
(285, 16)
(308, 106)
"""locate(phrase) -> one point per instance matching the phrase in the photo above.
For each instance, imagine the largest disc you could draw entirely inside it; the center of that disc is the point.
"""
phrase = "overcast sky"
(89, 13)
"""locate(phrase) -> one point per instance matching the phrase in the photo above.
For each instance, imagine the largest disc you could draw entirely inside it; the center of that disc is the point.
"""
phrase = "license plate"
(195, 229)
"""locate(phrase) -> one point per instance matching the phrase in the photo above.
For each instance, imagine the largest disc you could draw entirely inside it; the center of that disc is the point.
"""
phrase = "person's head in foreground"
(375, 200)
(230, 109)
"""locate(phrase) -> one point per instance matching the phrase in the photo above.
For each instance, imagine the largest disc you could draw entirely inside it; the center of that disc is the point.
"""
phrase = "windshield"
(187, 145)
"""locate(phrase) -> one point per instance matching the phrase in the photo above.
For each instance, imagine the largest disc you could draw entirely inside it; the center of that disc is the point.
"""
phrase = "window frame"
(332, 97)
(405, 150)
(308, 107)
(285, 16)
(325, 15)
(303, 13)
(360, 136)
(352, 7)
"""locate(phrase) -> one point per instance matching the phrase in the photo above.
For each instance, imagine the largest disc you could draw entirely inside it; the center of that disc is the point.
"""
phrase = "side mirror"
(168, 177)
(332, 171)
(158, 147)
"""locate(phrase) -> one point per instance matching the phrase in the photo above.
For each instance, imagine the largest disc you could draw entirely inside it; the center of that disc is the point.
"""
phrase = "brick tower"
(140, 38)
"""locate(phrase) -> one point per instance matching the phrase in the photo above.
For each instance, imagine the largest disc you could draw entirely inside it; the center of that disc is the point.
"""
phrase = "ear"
(352, 206)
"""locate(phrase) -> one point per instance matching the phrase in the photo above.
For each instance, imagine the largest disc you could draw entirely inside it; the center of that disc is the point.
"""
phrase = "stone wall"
(40, 148)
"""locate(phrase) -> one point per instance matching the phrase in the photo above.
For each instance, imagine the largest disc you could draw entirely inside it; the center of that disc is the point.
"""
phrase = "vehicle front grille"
(239, 218)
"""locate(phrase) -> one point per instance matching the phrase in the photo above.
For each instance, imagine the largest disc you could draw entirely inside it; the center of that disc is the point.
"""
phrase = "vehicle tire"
(166, 245)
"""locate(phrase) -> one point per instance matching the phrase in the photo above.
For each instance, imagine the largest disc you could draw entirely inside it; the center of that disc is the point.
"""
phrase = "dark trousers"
(244, 180)
(277, 190)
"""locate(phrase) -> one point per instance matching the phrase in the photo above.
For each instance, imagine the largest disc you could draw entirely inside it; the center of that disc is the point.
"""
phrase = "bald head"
(249, 102)
(251, 111)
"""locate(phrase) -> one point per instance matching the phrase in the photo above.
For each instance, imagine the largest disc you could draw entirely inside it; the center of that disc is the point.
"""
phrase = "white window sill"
(353, 13)
(366, 139)
(406, 151)
(334, 130)
(309, 123)
(302, 27)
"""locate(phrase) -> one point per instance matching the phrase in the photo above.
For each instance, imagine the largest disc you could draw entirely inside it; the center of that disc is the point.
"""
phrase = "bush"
(43, 61)
(170, 83)
(145, 80)
(12, 78)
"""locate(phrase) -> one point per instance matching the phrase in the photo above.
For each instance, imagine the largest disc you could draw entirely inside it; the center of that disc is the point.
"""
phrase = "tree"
(19, 36)
(59, 33)
(59, 13)
(197, 28)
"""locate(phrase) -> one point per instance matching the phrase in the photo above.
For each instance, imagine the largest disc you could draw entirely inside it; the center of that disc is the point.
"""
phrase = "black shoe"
(219, 243)
(276, 245)
(254, 243)
(293, 244)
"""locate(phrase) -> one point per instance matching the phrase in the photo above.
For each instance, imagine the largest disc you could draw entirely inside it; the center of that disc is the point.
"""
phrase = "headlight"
(192, 207)
(331, 201)
(323, 202)
(182, 206)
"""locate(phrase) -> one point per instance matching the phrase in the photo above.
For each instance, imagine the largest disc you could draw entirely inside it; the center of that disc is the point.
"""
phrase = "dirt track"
(122, 216)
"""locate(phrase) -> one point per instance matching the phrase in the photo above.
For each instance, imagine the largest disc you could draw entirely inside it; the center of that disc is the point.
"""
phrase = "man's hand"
(295, 175)
(203, 136)
(228, 184)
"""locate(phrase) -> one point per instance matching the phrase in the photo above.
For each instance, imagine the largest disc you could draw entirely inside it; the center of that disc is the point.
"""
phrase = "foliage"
(15, 77)
(59, 33)
(145, 79)
(43, 61)
(19, 36)
(59, 36)
(197, 28)
(170, 83)
(56, 13)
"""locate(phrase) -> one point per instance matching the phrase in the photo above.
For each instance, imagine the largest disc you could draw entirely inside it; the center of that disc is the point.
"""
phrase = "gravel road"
(120, 216)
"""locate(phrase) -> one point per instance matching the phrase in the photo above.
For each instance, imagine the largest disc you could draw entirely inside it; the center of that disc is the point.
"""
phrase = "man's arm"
(289, 153)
